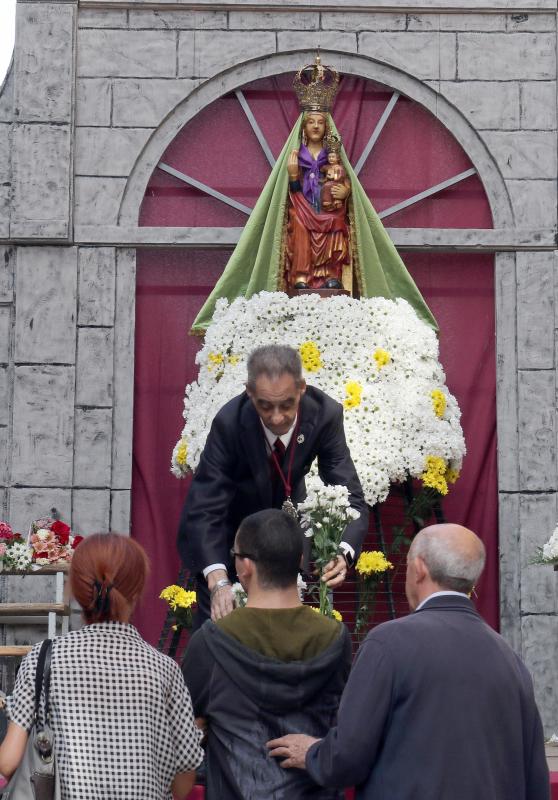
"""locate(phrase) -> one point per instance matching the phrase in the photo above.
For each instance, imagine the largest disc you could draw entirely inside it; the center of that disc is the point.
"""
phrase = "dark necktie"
(279, 450)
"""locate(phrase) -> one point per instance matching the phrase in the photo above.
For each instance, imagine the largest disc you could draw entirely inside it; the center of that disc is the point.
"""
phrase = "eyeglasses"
(233, 554)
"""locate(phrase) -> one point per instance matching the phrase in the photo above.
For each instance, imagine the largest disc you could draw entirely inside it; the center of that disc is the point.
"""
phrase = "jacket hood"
(277, 686)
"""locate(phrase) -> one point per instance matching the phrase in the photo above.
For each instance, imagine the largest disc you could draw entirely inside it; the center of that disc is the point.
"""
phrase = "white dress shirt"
(440, 594)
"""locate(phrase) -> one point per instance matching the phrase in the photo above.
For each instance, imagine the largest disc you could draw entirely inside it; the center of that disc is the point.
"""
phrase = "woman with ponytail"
(121, 715)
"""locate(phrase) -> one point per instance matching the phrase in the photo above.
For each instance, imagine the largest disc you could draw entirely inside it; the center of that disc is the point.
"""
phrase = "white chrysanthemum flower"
(390, 424)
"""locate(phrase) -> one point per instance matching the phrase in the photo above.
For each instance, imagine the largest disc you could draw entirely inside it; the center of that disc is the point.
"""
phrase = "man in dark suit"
(260, 446)
(437, 705)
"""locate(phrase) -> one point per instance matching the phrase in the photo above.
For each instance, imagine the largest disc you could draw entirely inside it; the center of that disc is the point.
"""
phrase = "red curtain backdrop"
(171, 286)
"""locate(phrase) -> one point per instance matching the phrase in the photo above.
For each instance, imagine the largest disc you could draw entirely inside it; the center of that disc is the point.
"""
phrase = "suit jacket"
(437, 707)
(233, 477)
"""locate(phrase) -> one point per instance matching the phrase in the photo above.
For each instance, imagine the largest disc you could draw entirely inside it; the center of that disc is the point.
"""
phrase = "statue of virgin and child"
(313, 226)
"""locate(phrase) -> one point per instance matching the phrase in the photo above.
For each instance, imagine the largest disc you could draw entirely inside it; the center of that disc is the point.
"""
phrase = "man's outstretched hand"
(293, 748)
(222, 599)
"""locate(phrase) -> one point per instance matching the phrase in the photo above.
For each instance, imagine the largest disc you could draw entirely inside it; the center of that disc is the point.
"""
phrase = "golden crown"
(316, 86)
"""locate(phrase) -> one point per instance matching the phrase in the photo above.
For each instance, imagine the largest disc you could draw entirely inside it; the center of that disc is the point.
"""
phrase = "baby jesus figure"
(335, 174)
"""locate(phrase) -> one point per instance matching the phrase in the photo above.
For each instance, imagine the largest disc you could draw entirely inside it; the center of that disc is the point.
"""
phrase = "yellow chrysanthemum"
(381, 357)
(334, 613)
(215, 360)
(439, 402)
(310, 356)
(372, 562)
(234, 360)
(182, 453)
(178, 597)
(354, 394)
(452, 475)
(434, 476)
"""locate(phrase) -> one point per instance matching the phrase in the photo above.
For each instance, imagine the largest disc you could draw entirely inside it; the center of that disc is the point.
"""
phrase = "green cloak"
(255, 264)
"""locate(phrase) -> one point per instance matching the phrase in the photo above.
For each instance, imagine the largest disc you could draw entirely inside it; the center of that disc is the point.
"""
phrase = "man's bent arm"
(347, 754)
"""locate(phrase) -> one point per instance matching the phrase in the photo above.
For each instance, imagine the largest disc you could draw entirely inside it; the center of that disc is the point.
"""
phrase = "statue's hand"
(340, 192)
(292, 165)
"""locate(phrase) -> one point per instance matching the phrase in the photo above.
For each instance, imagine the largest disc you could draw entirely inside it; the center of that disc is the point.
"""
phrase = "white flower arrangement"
(548, 553)
(375, 356)
(18, 556)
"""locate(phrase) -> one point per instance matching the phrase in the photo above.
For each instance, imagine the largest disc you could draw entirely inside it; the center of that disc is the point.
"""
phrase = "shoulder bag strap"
(42, 678)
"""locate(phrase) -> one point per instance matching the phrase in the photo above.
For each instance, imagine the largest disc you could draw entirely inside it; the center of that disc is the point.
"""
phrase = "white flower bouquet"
(375, 356)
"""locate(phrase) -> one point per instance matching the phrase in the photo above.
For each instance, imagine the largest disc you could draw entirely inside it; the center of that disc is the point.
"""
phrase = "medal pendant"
(289, 507)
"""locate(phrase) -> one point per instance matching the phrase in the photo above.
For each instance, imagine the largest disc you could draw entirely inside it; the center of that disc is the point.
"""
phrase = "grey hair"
(273, 360)
(450, 566)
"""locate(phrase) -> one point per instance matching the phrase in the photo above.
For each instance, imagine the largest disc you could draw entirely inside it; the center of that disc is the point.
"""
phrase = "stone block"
(108, 151)
(102, 18)
(43, 426)
(46, 286)
(274, 20)
(5, 395)
(97, 270)
(93, 98)
(523, 154)
(509, 569)
(472, 22)
(94, 367)
(540, 652)
(28, 504)
(424, 54)
(93, 442)
(7, 266)
(90, 511)
(5, 333)
(146, 102)
(97, 200)
(537, 519)
(506, 57)
(4, 454)
(120, 53)
(537, 431)
(506, 373)
(5, 178)
(44, 62)
(120, 512)
(208, 52)
(531, 22)
(330, 40)
(178, 20)
(534, 203)
(7, 96)
(356, 21)
(535, 310)
(486, 104)
(124, 332)
(41, 181)
(538, 105)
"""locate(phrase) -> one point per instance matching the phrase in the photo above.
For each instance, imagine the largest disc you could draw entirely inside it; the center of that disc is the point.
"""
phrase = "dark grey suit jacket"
(233, 477)
(437, 707)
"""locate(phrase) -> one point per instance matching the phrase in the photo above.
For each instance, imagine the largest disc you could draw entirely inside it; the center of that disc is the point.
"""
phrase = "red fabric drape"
(171, 286)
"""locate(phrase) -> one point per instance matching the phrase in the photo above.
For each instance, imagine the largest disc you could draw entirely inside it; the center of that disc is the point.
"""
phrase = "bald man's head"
(453, 555)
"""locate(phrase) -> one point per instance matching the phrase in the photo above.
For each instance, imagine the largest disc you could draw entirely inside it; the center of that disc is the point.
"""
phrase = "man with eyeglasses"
(437, 704)
(272, 667)
(260, 446)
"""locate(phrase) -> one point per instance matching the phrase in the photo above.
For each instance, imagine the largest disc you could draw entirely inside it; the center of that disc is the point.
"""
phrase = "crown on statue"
(332, 143)
(315, 86)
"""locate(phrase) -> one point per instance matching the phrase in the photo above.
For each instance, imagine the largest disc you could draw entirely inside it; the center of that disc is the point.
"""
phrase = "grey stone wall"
(95, 95)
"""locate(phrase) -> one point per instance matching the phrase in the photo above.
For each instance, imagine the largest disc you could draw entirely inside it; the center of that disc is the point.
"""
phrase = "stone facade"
(99, 88)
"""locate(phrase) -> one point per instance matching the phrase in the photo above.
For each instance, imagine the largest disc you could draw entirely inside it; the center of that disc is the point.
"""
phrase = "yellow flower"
(381, 357)
(354, 394)
(372, 562)
(310, 356)
(234, 360)
(452, 475)
(182, 453)
(434, 475)
(439, 402)
(215, 360)
(178, 597)
(334, 613)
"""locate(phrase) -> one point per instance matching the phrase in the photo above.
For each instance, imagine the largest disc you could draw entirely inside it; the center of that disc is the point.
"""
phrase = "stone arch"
(347, 63)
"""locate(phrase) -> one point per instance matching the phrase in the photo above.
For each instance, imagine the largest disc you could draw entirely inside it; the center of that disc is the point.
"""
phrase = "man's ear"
(421, 570)
(302, 385)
